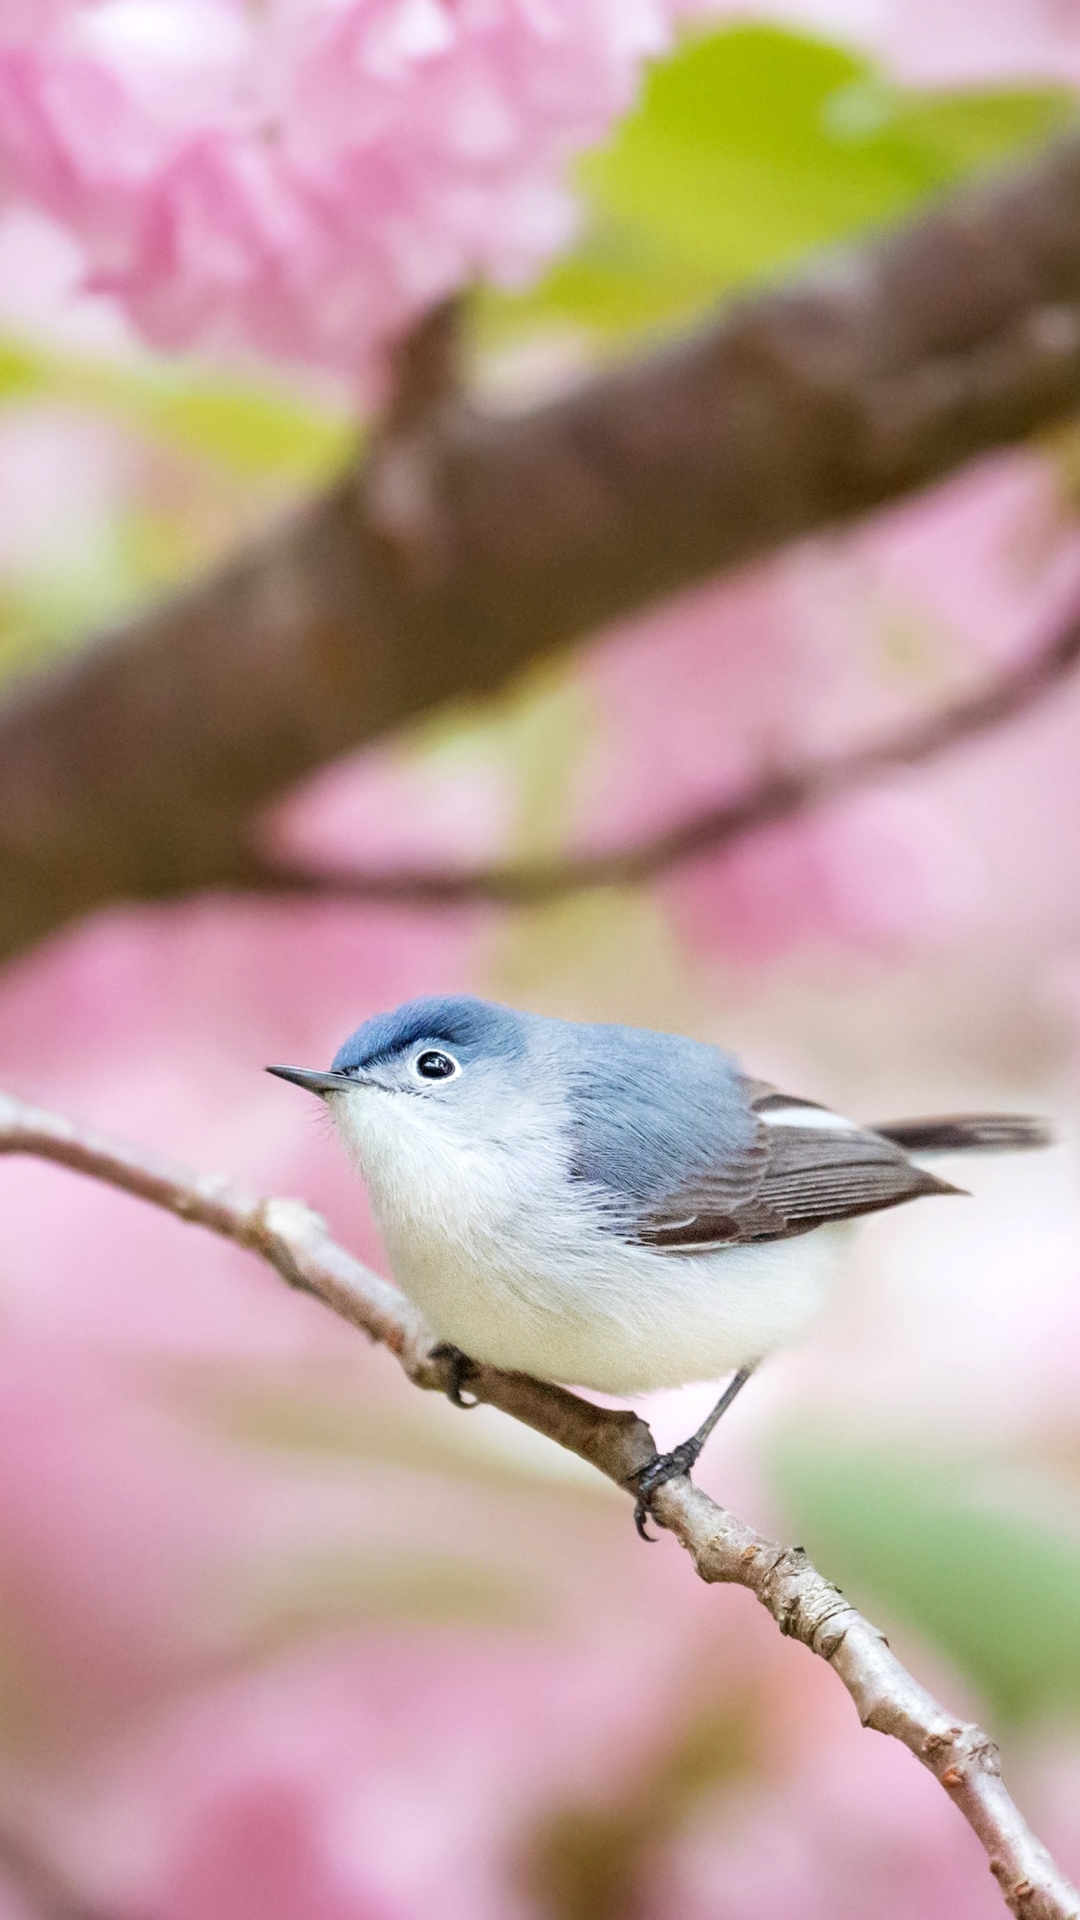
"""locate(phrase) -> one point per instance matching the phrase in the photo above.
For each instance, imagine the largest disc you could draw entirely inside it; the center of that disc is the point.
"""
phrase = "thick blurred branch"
(776, 795)
(469, 545)
(804, 1605)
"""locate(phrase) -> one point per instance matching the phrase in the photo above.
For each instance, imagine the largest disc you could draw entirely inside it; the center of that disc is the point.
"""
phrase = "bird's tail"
(970, 1133)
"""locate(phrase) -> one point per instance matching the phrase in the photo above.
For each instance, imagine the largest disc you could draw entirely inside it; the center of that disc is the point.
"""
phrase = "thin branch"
(425, 372)
(474, 544)
(804, 1605)
(772, 797)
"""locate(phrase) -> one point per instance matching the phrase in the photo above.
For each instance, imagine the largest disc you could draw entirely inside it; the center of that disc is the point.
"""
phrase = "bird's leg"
(668, 1466)
(459, 1368)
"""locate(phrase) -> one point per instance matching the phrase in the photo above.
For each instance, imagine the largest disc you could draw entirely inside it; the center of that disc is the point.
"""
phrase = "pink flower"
(832, 644)
(261, 1854)
(305, 178)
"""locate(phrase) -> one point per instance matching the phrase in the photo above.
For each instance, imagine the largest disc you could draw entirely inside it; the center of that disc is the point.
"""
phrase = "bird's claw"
(458, 1369)
(660, 1469)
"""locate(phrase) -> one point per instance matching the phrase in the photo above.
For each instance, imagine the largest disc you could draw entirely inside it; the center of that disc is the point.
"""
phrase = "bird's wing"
(804, 1167)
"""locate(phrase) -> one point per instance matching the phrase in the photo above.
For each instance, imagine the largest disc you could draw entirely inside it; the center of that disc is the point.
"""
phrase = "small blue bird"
(610, 1207)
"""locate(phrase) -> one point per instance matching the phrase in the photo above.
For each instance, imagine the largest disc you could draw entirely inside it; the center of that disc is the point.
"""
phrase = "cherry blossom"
(304, 178)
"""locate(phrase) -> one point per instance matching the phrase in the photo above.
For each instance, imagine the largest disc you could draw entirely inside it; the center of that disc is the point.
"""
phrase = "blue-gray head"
(420, 1048)
(627, 1110)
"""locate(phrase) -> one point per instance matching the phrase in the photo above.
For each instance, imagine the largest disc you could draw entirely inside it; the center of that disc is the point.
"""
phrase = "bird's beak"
(313, 1081)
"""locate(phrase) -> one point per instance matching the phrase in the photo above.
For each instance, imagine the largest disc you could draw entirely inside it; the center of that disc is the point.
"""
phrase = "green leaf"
(250, 428)
(749, 148)
(946, 1547)
(245, 428)
(236, 441)
(20, 369)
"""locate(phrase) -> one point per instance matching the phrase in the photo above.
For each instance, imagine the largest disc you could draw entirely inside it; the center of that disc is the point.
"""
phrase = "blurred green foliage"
(251, 428)
(749, 148)
(208, 458)
(939, 1543)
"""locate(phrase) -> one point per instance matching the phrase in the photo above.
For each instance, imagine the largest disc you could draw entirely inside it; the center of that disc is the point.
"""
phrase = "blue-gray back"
(648, 1110)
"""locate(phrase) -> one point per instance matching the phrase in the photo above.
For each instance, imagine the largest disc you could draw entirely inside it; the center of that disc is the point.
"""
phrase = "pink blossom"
(405, 1771)
(304, 178)
(383, 808)
(828, 646)
(261, 1852)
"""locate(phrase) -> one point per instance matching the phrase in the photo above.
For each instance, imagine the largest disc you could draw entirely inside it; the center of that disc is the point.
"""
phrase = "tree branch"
(469, 545)
(804, 1605)
(771, 797)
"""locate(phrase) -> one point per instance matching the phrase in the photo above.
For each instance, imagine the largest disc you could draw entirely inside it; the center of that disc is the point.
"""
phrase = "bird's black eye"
(434, 1065)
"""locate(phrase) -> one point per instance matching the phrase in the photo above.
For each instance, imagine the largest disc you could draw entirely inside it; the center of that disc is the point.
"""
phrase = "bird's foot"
(459, 1368)
(660, 1469)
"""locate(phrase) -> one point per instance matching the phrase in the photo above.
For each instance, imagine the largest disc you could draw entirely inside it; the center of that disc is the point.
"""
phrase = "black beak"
(313, 1081)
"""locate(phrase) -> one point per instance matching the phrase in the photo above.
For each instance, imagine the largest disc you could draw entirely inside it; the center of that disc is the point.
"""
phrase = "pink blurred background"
(280, 1638)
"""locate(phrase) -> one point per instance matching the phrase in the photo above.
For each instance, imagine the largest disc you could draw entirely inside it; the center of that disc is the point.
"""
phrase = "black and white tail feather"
(969, 1133)
(807, 1167)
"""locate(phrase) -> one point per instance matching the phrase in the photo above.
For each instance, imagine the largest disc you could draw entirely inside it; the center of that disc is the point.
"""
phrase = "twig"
(396, 484)
(804, 1605)
(134, 768)
(772, 797)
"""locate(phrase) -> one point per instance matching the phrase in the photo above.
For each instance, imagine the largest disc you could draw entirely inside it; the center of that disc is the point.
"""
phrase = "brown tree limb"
(780, 794)
(469, 545)
(724, 1549)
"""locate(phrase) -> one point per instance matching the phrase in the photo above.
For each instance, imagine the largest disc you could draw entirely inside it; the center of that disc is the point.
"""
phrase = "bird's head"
(446, 1067)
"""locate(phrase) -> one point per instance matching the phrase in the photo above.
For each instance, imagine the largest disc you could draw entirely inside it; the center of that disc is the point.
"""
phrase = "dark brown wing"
(804, 1168)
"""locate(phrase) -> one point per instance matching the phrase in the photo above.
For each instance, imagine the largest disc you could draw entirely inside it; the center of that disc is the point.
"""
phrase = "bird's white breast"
(511, 1260)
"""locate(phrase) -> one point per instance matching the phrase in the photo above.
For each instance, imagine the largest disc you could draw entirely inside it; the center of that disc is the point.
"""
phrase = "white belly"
(522, 1273)
(630, 1320)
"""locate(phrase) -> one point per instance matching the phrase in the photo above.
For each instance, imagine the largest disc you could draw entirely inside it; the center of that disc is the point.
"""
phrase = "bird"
(607, 1206)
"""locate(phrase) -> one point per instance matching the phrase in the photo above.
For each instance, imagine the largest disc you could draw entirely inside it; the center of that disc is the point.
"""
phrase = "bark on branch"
(804, 1605)
(469, 545)
(777, 795)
